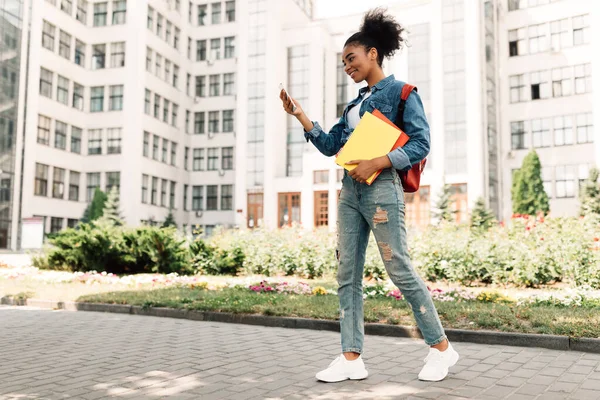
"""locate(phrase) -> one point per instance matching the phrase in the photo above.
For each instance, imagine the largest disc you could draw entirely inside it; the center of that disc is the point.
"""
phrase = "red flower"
(596, 239)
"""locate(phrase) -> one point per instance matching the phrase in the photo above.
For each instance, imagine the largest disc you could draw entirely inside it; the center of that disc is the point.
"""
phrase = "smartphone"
(286, 93)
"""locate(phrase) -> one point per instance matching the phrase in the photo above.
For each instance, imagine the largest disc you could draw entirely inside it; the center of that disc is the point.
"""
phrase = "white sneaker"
(341, 369)
(437, 364)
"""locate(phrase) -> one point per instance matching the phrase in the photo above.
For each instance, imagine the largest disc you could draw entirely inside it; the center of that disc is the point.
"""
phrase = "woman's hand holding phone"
(290, 105)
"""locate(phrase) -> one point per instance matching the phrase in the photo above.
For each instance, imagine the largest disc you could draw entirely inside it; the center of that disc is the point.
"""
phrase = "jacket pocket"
(382, 107)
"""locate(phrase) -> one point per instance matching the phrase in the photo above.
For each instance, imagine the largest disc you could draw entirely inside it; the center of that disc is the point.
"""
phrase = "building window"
(321, 208)
(66, 6)
(212, 197)
(213, 159)
(226, 197)
(583, 78)
(150, 19)
(200, 86)
(174, 112)
(93, 183)
(159, 25)
(185, 197)
(215, 49)
(187, 121)
(538, 38)
(214, 85)
(64, 48)
(563, 131)
(60, 135)
(213, 122)
(173, 153)
(74, 179)
(198, 160)
(418, 207)
(166, 105)
(167, 70)
(227, 158)
(78, 96)
(148, 59)
(155, 145)
(145, 188)
(113, 179)
(516, 42)
(82, 7)
(56, 223)
(540, 86)
(230, 11)
(41, 179)
(154, 192)
(215, 9)
(146, 146)
(581, 30)
(197, 198)
(228, 121)
(98, 56)
(72, 222)
(565, 181)
(97, 99)
(117, 54)
(559, 34)
(46, 80)
(342, 88)
(116, 98)
(202, 12)
(175, 76)
(172, 195)
(176, 38)
(321, 177)
(76, 134)
(585, 128)
(165, 150)
(200, 50)
(156, 106)
(147, 102)
(62, 90)
(561, 81)
(119, 12)
(79, 53)
(168, 30)
(43, 135)
(199, 120)
(113, 142)
(94, 141)
(255, 209)
(228, 84)
(189, 48)
(540, 131)
(289, 209)
(519, 135)
(100, 13)
(48, 32)
(229, 47)
(186, 156)
(163, 192)
(58, 183)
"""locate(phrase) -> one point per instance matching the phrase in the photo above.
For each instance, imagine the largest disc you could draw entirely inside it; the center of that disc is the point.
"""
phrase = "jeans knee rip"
(386, 251)
(380, 217)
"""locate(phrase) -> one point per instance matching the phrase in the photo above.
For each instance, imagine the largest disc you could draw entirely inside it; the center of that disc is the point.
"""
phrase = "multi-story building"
(176, 103)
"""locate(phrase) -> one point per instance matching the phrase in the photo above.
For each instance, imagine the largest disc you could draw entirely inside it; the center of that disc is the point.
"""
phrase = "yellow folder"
(371, 138)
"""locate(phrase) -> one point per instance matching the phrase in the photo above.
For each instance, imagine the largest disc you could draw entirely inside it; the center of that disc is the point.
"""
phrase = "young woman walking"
(378, 207)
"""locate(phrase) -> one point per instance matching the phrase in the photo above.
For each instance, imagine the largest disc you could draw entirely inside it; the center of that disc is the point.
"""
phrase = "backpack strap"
(406, 91)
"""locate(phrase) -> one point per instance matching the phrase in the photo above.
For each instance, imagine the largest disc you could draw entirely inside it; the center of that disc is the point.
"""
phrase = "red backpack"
(411, 179)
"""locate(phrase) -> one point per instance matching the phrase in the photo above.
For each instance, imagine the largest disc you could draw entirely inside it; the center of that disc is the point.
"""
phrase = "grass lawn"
(576, 322)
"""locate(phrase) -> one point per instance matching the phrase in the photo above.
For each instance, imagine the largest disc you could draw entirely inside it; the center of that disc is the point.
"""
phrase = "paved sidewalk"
(85, 355)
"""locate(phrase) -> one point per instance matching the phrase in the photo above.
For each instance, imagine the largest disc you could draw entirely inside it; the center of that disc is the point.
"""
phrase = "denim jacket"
(385, 97)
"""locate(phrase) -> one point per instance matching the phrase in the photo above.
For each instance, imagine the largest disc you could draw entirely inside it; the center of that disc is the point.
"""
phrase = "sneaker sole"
(357, 377)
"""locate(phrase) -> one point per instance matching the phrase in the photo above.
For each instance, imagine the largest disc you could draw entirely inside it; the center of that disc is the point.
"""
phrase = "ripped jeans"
(378, 208)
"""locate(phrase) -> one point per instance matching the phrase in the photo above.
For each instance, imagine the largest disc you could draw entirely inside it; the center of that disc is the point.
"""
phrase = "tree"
(527, 192)
(589, 195)
(95, 209)
(481, 217)
(443, 207)
(170, 220)
(112, 209)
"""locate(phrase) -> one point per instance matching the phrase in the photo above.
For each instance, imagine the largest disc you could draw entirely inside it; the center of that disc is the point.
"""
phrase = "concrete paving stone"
(574, 378)
(564, 387)
(585, 394)
(496, 392)
(524, 373)
(512, 381)
(552, 371)
(532, 389)
(591, 384)
(517, 396)
(510, 366)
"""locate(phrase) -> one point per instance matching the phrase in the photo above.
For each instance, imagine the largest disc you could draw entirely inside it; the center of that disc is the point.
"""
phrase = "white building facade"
(176, 103)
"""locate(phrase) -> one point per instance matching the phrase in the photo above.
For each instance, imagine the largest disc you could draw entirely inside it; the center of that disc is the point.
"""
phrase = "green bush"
(104, 247)
(208, 259)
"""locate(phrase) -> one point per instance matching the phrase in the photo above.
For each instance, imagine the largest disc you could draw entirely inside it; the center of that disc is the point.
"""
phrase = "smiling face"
(358, 63)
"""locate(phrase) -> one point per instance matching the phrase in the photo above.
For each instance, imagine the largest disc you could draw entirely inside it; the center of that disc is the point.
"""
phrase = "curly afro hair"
(380, 31)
